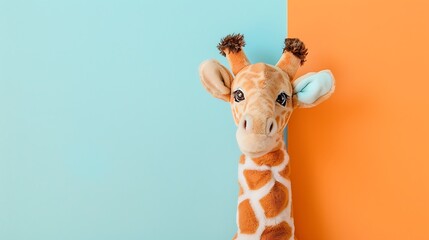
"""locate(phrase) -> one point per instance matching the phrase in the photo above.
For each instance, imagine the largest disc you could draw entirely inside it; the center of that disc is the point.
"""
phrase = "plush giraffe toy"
(262, 99)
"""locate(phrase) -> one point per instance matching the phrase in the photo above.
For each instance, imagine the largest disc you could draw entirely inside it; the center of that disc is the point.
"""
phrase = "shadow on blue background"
(105, 130)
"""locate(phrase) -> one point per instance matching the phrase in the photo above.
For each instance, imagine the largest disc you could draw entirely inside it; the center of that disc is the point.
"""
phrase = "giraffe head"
(262, 96)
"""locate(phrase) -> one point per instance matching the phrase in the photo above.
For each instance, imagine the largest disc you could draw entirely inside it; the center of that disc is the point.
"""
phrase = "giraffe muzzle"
(256, 136)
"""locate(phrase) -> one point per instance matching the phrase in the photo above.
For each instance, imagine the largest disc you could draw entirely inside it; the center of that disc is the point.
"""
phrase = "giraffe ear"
(216, 79)
(311, 89)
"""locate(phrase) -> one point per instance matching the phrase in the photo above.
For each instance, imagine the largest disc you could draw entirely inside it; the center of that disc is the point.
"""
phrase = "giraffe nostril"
(245, 124)
(271, 127)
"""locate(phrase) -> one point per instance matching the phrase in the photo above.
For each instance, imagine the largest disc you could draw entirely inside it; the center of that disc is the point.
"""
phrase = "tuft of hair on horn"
(297, 48)
(231, 43)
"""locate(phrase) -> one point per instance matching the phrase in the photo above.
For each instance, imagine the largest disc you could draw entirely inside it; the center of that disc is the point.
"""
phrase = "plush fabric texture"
(268, 193)
(297, 48)
(294, 54)
(216, 79)
(232, 43)
(262, 99)
(230, 46)
(312, 88)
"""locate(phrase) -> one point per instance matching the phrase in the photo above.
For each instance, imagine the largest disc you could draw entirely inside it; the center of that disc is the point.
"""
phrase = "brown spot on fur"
(242, 159)
(240, 190)
(262, 83)
(275, 201)
(285, 172)
(271, 159)
(247, 85)
(281, 231)
(256, 179)
(247, 221)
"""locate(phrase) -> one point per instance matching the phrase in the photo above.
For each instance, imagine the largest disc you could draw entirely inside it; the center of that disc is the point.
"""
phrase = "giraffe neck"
(264, 202)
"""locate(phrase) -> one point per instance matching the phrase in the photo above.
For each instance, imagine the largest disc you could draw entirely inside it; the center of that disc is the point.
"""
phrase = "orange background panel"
(360, 161)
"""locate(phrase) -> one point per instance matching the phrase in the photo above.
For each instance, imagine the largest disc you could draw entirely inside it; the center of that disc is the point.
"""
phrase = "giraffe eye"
(238, 95)
(282, 99)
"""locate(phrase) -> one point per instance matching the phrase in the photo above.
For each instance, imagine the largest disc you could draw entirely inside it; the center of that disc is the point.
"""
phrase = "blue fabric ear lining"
(313, 87)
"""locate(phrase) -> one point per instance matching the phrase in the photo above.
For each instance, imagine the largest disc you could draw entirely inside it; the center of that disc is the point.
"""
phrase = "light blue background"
(105, 130)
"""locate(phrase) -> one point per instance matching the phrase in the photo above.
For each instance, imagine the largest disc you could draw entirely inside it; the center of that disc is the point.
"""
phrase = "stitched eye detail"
(282, 99)
(238, 95)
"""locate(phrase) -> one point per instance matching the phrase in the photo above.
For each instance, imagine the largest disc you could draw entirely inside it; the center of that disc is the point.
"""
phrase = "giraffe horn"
(293, 56)
(230, 46)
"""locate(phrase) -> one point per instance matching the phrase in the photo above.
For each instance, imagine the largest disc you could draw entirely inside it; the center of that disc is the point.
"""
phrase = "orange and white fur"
(262, 99)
